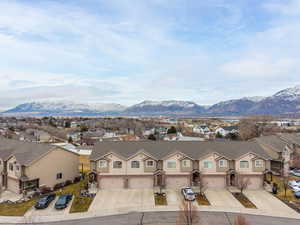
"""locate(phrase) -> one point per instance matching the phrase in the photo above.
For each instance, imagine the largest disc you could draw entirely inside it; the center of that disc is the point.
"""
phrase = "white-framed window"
(11, 166)
(244, 164)
(186, 163)
(171, 164)
(135, 164)
(59, 176)
(150, 163)
(222, 163)
(259, 163)
(207, 164)
(102, 163)
(117, 164)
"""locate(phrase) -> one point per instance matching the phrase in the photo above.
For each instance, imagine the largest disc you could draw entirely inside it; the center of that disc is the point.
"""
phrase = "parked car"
(294, 183)
(44, 201)
(63, 201)
(295, 172)
(295, 189)
(297, 194)
(188, 194)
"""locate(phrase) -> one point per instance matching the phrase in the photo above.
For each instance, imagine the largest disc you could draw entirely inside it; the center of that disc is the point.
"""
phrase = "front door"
(232, 179)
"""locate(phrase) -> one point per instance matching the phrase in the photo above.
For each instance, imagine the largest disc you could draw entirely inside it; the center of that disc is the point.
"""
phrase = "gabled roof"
(25, 152)
(291, 138)
(194, 150)
(229, 128)
(273, 142)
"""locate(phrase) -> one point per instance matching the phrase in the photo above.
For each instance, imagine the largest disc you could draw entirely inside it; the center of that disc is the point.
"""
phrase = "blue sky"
(127, 51)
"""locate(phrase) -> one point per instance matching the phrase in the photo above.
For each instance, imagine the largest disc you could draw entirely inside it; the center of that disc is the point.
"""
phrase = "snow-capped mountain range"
(286, 101)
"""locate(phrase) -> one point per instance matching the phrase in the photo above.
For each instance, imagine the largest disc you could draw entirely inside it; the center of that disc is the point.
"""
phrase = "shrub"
(68, 182)
(45, 190)
(77, 179)
(58, 186)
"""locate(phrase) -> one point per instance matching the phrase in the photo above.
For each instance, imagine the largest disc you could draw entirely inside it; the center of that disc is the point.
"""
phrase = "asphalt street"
(168, 218)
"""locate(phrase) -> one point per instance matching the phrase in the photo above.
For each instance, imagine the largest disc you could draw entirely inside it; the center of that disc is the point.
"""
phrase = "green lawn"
(16, 209)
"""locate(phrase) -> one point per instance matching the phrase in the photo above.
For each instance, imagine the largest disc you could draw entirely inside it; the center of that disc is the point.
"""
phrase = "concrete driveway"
(222, 198)
(174, 198)
(50, 210)
(266, 202)
(123, 199)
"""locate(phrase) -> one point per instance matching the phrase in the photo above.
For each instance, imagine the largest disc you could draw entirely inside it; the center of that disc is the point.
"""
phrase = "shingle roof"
(25, 152)
(161, 149)
(291, 138)
(273, 142)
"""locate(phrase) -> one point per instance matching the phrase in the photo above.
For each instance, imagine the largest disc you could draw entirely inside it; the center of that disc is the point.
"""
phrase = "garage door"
(214, 181)
(256, 182)
(140, 182)
(176, 182)
(13, 185)
(111, 183)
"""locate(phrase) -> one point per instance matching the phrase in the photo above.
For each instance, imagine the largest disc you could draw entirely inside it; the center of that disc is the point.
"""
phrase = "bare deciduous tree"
(285, 184)
(188, 214)
(248, 129)
(202, 184)
(240, 220)
(243, 182)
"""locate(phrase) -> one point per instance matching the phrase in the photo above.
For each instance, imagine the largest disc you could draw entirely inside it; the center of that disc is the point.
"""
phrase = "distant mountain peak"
(289, 93)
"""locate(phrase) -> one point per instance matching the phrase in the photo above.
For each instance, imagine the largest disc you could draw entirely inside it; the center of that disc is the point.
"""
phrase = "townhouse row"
(146, 164)
(117, 165)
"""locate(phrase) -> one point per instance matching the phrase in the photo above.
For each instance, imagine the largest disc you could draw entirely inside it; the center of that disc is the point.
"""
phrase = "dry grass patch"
(289, 192)
(160, 199)
(244, 200)
(202, 200)
(18, 209)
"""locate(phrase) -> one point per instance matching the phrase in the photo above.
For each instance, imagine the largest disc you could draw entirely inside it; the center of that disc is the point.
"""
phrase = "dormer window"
(222, 163)
(186, 163)
(135, 164)
(102, 163)
(208, 164)
(150, 163)
(11, 166)
(171, 164)
(244, 164)
(117, 165)
(259, 163)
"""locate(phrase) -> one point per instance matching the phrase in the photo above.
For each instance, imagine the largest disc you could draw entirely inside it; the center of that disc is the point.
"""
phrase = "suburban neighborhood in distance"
(150, 112)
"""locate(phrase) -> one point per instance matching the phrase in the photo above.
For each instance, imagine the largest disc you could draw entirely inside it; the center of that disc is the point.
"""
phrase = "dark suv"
(44, 201)
(63, 201)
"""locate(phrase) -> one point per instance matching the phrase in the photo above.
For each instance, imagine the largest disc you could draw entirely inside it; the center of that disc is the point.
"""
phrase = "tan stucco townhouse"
(26, 166)
(146, 164)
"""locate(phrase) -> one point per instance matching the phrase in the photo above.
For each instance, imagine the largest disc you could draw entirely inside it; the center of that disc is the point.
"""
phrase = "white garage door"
(256, 182)
(13, 185)
(176, 182)
(214, 181)
(140, 182)
(111, 183)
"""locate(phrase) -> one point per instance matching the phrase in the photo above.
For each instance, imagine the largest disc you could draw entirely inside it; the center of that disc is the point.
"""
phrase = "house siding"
(56, 161)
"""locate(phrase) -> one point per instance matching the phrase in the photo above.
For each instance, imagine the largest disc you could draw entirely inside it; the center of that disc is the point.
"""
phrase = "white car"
(294, 183)
(295, 189)
(188, 194)
(295, 172)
